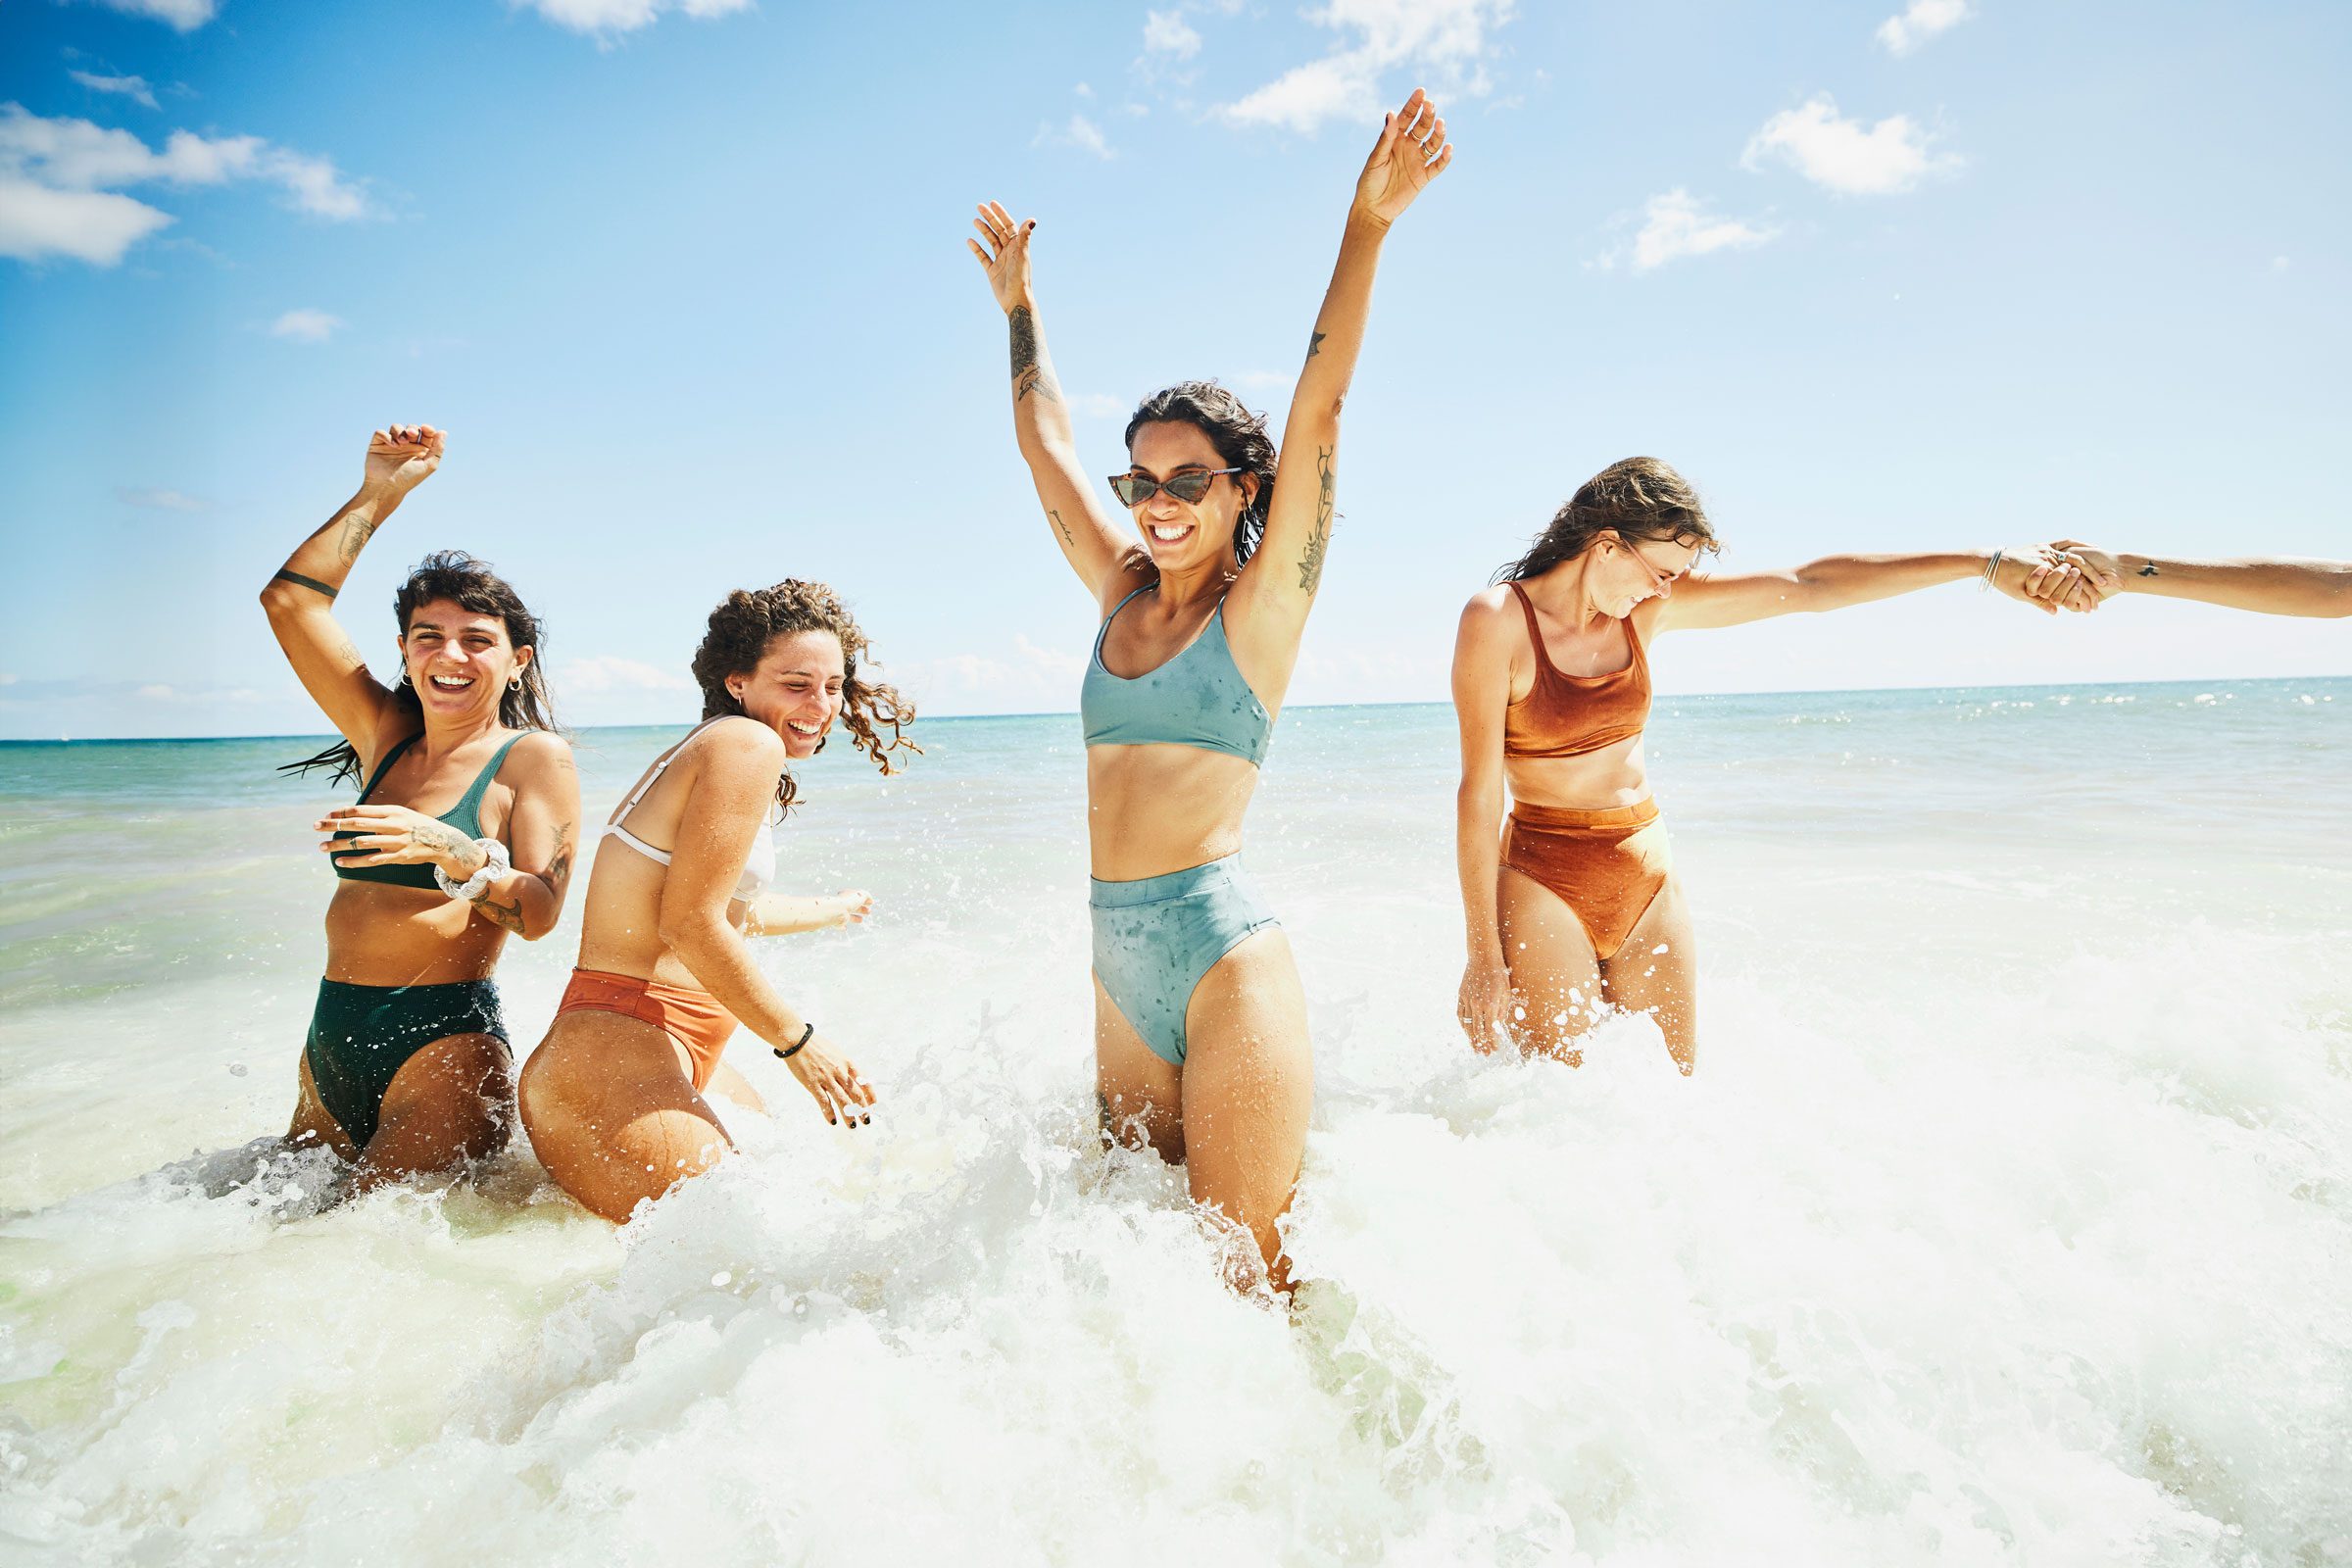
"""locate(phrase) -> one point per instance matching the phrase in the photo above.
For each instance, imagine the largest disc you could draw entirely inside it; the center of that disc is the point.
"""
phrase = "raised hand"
(1005, 257)
(402, 457)
(1412, 151)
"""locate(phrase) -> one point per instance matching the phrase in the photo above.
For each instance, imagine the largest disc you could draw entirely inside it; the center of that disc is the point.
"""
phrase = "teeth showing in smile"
(1168, 536)
(453, 683)
(799, 728)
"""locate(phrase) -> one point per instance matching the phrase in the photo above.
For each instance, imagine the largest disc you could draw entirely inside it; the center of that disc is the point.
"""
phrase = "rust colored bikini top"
(1571, 716)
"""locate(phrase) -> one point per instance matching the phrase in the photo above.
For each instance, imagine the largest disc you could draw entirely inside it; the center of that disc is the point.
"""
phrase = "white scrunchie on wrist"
(494, 864)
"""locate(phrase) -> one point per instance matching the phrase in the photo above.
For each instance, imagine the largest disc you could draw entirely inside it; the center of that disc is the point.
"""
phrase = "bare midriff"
(1614, 775)
(620, 925)
(1161, 807)
(379, 934)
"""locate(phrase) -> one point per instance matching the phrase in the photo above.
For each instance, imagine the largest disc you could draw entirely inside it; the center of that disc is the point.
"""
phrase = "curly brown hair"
(752, 619)
(1633, 498)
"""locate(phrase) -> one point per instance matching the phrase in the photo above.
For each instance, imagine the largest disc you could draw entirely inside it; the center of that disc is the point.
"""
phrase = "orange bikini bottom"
(693, 1019)
(1607, 865)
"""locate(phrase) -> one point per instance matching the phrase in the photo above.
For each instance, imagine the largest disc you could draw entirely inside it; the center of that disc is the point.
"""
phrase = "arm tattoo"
(509, 915)
(2148, 570)
(350, 652)
(357, 531)
(311, 583)
(439, 839)
(1310, 564)
(559, 869)
(1029, 375)
(1067, 537)
(1315, 344)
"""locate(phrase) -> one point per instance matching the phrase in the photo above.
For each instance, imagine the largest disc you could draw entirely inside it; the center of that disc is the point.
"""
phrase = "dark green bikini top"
(466, 817)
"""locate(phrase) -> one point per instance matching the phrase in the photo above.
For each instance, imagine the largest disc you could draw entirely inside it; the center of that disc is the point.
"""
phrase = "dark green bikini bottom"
(361, 1036)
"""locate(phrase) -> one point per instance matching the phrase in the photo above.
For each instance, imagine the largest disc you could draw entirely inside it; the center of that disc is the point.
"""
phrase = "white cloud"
(1920, 20)
(161, 500)
(1844, 154)
(1675, 224)
(158, 694)
(57, 178)
(133, 87)
(609, 672)
(1080, 133)
(1169, 34)
(306, 325)
(1445, 42)
(604, 18)
(186, 15)
(94, 226)
(1022, 678)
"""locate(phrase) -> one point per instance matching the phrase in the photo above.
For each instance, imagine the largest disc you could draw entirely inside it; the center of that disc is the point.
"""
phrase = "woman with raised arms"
(613, 1098)
(463, 833)
(1201, 1033)
(1572, 908)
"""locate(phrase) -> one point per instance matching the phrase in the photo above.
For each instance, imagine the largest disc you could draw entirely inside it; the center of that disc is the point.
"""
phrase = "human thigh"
(613, 1113)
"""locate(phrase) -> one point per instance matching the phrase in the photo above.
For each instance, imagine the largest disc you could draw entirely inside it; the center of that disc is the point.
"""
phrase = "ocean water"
(2008, 1220)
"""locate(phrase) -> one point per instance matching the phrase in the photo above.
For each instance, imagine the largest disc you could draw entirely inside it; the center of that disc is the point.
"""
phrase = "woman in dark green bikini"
(463, 832)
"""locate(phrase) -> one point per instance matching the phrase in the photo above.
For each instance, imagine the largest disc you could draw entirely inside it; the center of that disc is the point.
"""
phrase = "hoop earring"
(515, 681)
(404, 674)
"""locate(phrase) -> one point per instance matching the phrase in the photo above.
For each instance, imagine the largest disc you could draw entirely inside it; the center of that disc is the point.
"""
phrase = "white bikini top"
(759, 868)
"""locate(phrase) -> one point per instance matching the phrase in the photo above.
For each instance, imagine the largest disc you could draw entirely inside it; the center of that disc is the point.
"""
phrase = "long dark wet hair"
(749, 619)
(469, 584)
(1239, 435)
(1636, 498)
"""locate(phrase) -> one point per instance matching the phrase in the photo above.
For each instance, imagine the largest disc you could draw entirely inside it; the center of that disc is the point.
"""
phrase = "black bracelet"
(787, 1052)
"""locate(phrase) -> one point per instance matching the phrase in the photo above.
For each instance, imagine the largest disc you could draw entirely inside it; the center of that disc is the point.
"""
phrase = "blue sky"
(686, 283)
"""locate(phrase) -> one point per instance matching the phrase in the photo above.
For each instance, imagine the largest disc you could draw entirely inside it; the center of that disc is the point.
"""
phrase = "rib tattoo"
(1028, 375)
(1310, 564)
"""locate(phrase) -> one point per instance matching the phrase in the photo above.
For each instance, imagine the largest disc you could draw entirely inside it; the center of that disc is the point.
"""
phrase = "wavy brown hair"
(1239, 435)
(751, 618)
(1635, 497)
(470, 585)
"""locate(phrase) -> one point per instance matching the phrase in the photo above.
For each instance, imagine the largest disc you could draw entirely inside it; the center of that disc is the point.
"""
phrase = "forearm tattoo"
(311, 583)
(1067, 537)
(2148, 570)
(1314, 344)
(559, 869)
(358, 529)
(1310, 562)
(1028, 375)
(437, 839)
(509, 915)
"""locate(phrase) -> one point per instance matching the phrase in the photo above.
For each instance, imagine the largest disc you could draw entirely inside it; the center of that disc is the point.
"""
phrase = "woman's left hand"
(394, 835)
(1411, 152)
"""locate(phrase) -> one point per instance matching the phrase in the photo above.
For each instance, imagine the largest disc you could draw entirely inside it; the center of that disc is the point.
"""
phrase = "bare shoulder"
(1488, 614)
(741, 741)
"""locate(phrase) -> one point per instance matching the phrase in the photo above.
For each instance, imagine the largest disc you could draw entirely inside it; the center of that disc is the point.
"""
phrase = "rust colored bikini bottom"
(693, 1019)
(1606, 865)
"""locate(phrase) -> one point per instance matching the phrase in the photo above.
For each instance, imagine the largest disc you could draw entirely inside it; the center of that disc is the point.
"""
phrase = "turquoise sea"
(2008, 1220)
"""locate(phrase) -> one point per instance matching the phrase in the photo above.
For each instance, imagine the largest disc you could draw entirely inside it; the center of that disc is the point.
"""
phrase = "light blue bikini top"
(1198, 698)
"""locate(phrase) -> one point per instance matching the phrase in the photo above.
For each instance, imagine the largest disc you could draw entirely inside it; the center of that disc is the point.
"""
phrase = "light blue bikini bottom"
(1156, 937)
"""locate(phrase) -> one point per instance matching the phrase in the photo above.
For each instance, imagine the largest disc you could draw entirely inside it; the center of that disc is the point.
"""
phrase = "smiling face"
(795, 689)
(1625, 570)
(1185, 534)
(459, 661)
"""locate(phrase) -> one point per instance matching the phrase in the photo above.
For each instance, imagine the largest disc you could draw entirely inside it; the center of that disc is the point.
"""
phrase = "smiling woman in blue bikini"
(1201, 1034)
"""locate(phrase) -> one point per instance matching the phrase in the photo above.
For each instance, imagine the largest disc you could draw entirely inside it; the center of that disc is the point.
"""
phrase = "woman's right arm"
(1482, 690)
(734, 787)
(1041, 420)
(300, 599)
